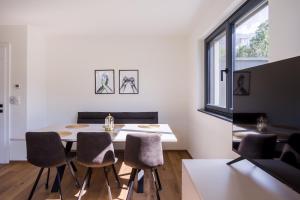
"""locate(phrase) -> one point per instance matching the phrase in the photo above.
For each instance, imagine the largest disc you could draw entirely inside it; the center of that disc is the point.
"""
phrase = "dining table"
(68, 134)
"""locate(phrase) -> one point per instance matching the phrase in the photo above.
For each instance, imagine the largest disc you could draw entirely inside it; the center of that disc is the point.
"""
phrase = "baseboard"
(191, 157)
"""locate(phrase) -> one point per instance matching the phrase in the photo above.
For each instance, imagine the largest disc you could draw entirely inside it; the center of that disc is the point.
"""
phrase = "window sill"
(228, 119)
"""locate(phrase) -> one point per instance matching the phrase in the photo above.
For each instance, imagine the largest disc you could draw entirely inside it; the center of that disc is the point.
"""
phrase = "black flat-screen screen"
(266, 118)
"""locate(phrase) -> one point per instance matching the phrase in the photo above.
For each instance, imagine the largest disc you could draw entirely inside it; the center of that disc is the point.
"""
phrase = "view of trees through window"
(258, 45)
(252, 39)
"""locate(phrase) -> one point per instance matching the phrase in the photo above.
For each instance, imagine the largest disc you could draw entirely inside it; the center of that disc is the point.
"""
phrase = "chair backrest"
(44, 149)
(291, 151)
(294, 142)
(260, 146)
(143, 150)
(95, 149)
(120, 117)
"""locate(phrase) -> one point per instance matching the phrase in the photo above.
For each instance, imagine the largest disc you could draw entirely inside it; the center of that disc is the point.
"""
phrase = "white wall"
(284, 29)
(71, 61)
(56, 74)
(210, 137)
(36, 79)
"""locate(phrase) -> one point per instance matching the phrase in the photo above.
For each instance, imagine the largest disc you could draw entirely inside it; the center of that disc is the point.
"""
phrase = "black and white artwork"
(128, 81)
(241, 83)
(105, 81)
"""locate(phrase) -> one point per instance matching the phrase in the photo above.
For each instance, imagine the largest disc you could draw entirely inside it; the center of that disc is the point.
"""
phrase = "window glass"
(252, 39)
(217, 60)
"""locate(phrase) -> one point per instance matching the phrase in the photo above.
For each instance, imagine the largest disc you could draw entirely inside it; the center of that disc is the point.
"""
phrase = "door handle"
(1, 108)
(226, 70)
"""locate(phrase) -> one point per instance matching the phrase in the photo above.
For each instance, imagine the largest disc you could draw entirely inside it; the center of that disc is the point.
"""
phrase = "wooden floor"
(17, 178)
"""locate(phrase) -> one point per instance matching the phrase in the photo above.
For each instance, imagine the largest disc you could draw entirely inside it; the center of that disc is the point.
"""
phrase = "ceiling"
(126, 17)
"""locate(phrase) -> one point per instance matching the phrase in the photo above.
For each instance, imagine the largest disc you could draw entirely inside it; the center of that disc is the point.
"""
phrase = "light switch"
(17, 86)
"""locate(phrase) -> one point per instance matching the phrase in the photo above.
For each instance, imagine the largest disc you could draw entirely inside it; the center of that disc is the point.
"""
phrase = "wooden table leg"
(61, 170)
(140, 188)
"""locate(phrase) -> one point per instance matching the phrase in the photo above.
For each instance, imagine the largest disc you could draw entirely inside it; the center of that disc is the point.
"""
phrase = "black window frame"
(228, 26)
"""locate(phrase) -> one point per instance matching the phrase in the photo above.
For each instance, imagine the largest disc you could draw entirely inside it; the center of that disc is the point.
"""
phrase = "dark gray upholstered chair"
(260, 146)
(143, 151)
(95, 150)
(45, 150)
(291, 151)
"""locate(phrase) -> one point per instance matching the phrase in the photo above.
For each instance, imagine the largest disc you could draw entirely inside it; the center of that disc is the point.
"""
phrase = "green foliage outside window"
(259, 44)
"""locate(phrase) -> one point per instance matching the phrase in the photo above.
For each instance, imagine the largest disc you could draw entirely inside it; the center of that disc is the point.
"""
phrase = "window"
(240, 42)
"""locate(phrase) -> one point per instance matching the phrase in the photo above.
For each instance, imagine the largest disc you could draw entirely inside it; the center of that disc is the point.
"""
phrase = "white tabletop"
(118, 135)
(214, 180)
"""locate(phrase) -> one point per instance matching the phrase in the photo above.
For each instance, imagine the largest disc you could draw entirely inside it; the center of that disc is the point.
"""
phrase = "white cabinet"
(212, 179)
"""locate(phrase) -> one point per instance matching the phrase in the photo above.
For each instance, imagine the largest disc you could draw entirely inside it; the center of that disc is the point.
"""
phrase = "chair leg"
(59, 184)
(116, 176)
(158, 179)
(235, 160)
(84, 182)
(140, 175)
(132, 176)
(131, 183)
(89, 179)
(73, 174)
(156, 184)
(107, 183)
(35, 183)
(73, 166)
(47, 182)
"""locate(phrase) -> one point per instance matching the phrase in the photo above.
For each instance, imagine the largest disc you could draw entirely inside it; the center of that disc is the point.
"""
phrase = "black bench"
(120, 117)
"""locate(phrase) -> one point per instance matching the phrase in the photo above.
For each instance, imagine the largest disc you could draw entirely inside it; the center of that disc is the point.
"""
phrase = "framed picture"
(128, 81)
(105, 81)
(241, 83)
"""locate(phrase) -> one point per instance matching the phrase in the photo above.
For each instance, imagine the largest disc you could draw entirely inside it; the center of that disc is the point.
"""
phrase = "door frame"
(4, 140)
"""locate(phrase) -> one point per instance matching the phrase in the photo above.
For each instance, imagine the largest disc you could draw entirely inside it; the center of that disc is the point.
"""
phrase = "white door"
(4, 106)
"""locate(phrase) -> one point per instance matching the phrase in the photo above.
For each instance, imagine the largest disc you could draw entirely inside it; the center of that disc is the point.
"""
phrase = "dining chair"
(45, 150)
(256, 146)
(143, 151)
(95, 150)
(291, 151)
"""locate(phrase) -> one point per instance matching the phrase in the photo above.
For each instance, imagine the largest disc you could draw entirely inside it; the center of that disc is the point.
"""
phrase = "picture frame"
(129, 81)
(105, 81)
(241, 83)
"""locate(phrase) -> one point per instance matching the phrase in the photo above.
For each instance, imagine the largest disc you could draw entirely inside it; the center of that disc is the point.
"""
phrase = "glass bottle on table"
(109, 123)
